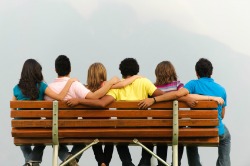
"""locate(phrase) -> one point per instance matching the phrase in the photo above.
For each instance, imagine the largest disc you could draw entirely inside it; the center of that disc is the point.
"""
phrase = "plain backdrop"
(108, 31)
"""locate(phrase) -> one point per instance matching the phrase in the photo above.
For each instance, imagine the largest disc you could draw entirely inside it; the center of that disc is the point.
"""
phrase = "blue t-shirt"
(19, 95)
(207, 86)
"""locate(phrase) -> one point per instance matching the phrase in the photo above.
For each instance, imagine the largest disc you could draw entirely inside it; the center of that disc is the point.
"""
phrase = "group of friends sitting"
(100, 92)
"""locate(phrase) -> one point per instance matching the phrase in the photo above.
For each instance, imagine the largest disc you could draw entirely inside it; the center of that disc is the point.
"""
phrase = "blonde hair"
(97, 74)
(165, 73)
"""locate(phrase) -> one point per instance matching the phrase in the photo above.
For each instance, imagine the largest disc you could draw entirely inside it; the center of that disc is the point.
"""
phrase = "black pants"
(124, 154)
(103, 155)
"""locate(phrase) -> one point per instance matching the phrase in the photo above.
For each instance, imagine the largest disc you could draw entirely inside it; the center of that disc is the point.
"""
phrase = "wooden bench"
(172, 122)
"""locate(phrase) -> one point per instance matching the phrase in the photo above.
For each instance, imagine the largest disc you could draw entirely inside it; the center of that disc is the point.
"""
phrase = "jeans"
(64, 153)
(103, 155)
(223, 152)
(124, 154)
(35, 154)
(224, 149)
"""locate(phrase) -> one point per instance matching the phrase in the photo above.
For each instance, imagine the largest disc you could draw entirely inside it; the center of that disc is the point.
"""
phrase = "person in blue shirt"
(204, 85)
(32, 87)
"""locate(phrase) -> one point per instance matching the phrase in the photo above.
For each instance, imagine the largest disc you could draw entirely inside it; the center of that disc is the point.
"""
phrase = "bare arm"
(223, 112)
(125, 82)
(192, 99)
(157, 92)
(103, 90)
(219, 100)
(165, 97)
(103, 102)
(49, 92)
(13, 98)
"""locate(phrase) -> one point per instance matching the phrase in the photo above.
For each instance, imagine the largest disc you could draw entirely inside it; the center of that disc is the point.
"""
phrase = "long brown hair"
(165, 73)
(31, 76)
(97, 74)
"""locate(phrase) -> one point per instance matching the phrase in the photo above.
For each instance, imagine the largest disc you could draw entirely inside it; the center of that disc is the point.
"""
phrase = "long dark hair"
(31, 77)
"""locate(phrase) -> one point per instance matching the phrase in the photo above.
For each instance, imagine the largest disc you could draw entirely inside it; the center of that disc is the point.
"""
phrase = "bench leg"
(149, 151)
(55, 155)
(81, 151)
(175, 155)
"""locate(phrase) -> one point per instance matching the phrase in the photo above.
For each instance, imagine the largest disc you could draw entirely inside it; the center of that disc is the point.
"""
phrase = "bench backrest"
(119, 122)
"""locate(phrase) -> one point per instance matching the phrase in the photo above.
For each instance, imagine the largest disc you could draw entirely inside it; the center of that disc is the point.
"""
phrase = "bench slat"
(117, 104)
(198, 114)
(202, 141)
(101, 123)
(117, 132)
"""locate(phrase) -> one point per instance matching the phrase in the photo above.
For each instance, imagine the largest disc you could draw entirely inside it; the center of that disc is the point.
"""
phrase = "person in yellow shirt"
(139, 89)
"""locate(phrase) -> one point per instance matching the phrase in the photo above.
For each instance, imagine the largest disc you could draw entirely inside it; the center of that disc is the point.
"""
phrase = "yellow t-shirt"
(140, 89)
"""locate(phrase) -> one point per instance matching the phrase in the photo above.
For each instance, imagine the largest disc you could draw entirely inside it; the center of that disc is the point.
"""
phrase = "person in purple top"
(166, 81)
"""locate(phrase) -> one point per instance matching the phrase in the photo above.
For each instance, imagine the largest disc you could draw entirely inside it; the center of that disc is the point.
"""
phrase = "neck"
(64, 76)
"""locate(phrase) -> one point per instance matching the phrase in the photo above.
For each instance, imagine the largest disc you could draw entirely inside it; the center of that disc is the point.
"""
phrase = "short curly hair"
(129, 67)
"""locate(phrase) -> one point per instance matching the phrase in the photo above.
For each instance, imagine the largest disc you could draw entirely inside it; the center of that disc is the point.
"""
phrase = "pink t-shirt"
(77, 89)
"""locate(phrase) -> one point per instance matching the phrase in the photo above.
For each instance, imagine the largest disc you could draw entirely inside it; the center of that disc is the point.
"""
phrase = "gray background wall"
(108, 31)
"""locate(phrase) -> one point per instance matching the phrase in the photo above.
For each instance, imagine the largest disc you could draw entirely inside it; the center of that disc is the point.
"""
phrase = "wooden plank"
(202, 141)
(199, 114)
(117, 104)
(116, 132)
(102, 123)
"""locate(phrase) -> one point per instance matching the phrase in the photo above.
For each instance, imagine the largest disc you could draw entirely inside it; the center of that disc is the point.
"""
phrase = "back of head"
(62, 65)
(165, 73)
(129, 67)
(97, 74)
(31, 76)
(204, 68)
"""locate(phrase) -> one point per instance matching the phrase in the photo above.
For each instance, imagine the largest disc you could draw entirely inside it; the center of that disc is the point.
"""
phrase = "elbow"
(103, 105)
(176, 96)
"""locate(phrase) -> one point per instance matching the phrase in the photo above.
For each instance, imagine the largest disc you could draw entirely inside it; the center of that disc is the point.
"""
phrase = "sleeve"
(43, 87)
(80, 90)
(113, 93)
(225, 99)
(179, 85)
(150, 87)
(15, 91)
(190, 86)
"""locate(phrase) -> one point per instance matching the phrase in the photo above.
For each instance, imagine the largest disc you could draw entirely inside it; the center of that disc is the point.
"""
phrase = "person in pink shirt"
(77, 90)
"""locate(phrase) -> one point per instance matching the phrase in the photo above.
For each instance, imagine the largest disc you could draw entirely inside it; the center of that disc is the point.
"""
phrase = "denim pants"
(35, 154)
(103, 155)
(223, 151)
(64, 153)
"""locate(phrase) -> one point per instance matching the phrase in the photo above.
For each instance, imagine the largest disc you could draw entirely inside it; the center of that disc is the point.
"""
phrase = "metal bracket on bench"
(175, 133)
(55, 140)
(149, 151)
(78, 153)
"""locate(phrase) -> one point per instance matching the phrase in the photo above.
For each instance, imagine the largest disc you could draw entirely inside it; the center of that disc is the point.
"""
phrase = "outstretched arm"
(103, 102)
(49, 92)
(219, 100)
(103, 90)
(192, 99)
(125, 82)
(165, 97)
